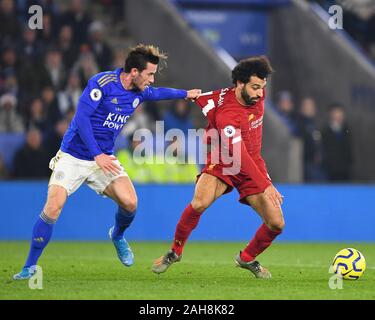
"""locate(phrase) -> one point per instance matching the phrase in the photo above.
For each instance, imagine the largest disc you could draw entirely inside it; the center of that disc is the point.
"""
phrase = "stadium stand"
(76, 42)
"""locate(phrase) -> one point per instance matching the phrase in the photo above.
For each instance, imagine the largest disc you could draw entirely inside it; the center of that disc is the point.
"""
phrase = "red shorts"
(244, 185)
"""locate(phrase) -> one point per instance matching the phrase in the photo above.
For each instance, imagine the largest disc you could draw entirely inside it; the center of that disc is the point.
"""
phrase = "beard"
(248, 100)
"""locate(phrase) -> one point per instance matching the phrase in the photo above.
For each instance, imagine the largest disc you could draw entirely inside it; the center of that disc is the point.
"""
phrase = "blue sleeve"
(88, 102)
(151, 93)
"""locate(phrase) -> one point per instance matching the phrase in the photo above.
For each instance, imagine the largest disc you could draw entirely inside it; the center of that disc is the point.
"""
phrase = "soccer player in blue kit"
(86, 152)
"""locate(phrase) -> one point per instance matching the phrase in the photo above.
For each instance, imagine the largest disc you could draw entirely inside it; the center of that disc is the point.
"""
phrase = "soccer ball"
(350, 263)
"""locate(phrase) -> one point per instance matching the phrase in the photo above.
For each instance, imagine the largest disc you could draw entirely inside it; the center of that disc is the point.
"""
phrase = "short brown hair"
(255, 66)
(141, 54)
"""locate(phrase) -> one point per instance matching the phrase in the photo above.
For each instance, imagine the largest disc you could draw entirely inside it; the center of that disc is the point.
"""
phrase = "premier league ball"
(350, 263)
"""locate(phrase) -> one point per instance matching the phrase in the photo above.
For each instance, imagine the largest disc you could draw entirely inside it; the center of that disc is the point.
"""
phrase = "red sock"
(261, 241)
(185, 226)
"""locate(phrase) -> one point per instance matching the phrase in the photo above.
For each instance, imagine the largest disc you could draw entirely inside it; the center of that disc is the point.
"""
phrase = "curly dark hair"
(258, 66)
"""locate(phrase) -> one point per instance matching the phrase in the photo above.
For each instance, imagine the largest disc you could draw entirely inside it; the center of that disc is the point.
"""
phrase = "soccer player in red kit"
(237, 115)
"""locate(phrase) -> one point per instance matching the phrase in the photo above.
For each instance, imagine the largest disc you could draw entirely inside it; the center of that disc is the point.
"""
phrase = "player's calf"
(41, 236)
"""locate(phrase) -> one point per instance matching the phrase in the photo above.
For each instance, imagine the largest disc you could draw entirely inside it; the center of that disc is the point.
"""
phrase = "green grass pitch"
(91, 270)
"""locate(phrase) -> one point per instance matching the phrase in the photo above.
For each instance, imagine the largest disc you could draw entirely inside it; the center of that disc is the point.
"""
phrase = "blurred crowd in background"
(43, 73)
(358, 21)
(327, 147)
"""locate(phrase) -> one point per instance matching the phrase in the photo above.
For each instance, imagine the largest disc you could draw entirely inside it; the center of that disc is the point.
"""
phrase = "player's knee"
(53, 209)
(129, 204)
(199, 204)
(132, 206)
(276, 224)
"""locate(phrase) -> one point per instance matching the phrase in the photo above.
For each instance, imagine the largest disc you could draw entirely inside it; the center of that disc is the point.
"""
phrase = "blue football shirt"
(103, 109)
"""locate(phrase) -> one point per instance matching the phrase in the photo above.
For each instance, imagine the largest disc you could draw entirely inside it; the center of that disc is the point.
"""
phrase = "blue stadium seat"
(9, 144)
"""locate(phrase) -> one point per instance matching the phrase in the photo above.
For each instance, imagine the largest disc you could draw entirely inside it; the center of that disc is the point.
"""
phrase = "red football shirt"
(239, 127)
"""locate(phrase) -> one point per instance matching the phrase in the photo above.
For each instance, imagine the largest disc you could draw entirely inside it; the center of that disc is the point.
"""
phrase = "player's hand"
(274, 195)
(107, 164)
(193, 94)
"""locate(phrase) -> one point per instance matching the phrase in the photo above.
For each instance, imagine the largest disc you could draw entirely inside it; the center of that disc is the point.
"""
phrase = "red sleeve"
(206, 102)
(202, 100)
(229, 126)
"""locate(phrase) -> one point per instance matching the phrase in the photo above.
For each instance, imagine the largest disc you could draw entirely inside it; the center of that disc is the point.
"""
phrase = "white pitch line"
(108, 258)
(306, 265)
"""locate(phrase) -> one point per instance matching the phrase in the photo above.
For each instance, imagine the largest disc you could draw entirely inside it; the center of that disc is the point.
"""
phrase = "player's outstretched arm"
(155, 94)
